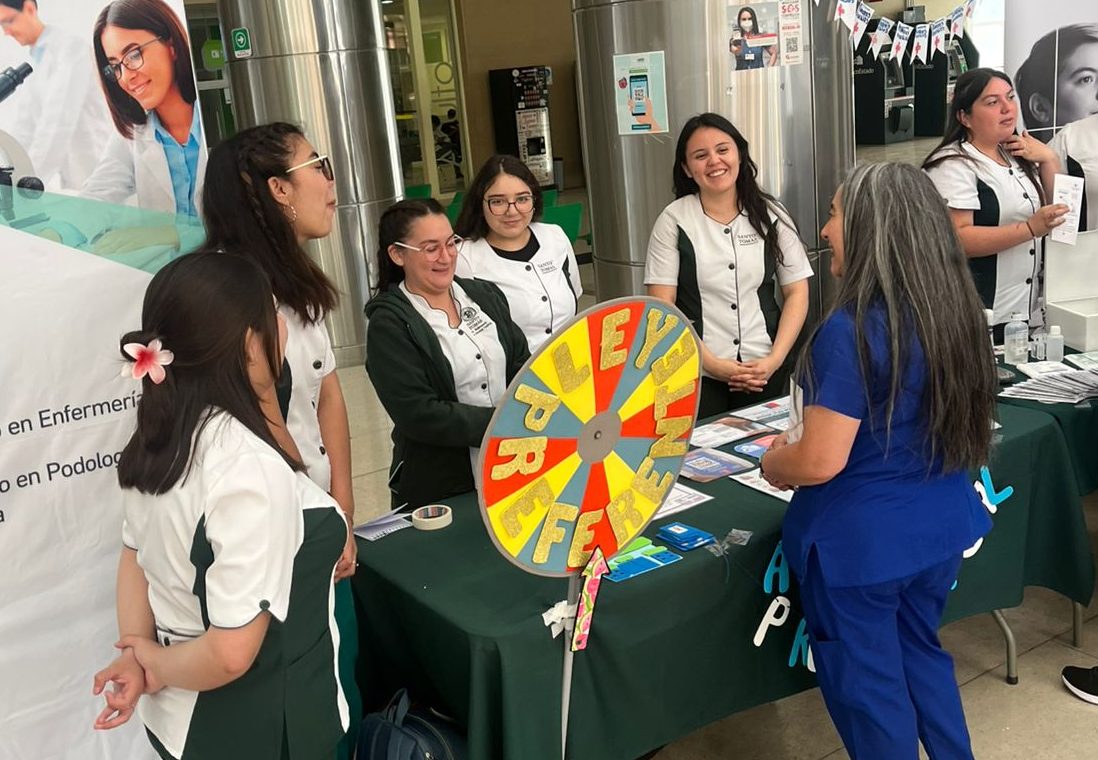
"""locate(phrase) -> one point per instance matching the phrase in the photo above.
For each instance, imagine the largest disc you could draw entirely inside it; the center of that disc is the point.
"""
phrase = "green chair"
(417, 191)
(569, 217)
(549, 197)
(453, 210)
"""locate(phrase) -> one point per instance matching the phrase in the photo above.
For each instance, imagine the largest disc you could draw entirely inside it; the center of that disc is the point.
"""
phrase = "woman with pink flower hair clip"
(228, 641)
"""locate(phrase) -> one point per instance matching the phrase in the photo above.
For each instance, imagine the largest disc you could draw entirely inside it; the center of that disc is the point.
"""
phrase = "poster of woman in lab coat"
(149, 153)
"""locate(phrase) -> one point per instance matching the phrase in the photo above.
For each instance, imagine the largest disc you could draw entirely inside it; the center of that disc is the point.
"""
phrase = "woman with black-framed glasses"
(156, 160)
(440, 351)
(533, 263)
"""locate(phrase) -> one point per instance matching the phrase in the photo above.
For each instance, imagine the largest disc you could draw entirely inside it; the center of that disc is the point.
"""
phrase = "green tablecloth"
(670, 651)
(1079, 424)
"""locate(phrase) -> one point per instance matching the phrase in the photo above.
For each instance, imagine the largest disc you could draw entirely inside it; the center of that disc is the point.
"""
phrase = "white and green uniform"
(239, 534)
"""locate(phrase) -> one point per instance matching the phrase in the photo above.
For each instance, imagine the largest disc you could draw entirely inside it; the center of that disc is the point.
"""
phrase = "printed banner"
(845, 11)
(106, 90)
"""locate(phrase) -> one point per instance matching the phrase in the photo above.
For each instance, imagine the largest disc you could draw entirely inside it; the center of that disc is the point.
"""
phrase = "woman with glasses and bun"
(533, 263)
(268, 194)
(228, 646)
(440, 351)
(156, 157)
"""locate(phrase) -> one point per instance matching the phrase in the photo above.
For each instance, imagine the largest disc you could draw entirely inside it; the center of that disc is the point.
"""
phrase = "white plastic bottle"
(1054, 344)
(1016, 340)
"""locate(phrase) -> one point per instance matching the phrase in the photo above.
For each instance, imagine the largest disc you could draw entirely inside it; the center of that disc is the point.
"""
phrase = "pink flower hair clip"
(147, 360)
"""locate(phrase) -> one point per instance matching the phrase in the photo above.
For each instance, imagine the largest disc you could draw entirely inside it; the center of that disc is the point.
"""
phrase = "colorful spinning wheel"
(591, 435)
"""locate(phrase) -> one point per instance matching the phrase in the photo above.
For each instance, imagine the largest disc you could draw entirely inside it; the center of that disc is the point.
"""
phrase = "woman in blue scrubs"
(899, 394)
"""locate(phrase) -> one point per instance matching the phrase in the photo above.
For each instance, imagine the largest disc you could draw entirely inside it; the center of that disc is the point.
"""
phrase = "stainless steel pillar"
(322, 64)
(798, 120)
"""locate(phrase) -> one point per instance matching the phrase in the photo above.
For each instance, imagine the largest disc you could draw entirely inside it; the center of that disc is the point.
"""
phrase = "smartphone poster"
(640, 86)
(764, 35)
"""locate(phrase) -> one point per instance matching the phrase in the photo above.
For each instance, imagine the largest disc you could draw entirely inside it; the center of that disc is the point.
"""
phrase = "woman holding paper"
(746, 31)
(720, 252)
(440, 351)
(899, 394)
(996, 184)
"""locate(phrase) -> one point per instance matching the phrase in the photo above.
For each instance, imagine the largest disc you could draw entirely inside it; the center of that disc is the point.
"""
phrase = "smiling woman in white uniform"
(716, 253)
(440, 352)
(531, 262)
(156, 156)
(995, 183)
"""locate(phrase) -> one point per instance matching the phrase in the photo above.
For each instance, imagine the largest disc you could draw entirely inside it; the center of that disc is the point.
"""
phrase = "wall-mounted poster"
(640, 84)
(764, 35)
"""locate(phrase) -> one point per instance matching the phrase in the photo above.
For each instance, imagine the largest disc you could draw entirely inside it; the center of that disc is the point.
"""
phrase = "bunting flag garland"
(938, 37)
(899, 43)
(861, 20)
(929, 39)
(880, 37)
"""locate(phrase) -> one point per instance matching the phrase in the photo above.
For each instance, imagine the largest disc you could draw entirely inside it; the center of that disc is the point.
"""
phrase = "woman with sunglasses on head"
(719, 253)
(224, 586)
(533, 263)
(440, 351)
(267, 194)
(156, 157)
(996, 184)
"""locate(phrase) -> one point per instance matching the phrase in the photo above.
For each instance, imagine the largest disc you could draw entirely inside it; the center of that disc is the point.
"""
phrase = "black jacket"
(432, 431)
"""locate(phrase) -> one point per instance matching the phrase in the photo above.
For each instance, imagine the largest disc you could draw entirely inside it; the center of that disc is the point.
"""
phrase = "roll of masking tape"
(432, 517)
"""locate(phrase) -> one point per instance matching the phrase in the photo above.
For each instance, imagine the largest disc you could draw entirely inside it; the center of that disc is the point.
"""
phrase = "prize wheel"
(590, 436)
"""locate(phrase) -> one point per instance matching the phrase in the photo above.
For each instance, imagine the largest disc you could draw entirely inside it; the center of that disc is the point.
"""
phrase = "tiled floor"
(1035, 720)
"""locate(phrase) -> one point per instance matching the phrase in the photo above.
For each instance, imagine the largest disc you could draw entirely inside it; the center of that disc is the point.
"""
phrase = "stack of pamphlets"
(1069, 387)
(1088, 360)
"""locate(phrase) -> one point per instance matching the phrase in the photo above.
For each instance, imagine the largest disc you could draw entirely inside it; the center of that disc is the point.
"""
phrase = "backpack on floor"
(400, 733)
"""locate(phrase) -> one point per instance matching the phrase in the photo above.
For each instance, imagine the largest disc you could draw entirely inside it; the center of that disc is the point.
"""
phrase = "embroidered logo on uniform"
(468, 313)
(547, 267)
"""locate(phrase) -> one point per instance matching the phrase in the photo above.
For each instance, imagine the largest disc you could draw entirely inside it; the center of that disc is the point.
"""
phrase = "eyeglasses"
(432, 249)
(325, 166)
(132, 60)
(500, 206)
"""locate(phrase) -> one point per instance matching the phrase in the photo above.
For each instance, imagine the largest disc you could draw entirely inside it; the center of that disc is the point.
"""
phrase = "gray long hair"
(902, 256)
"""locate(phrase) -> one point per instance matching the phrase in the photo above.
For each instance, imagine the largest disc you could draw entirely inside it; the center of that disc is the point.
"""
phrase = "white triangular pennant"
(938, 36)
(880, 37)
(845, 11)
(957, 22)
(922, 41)
(899, 43)
(861, 20)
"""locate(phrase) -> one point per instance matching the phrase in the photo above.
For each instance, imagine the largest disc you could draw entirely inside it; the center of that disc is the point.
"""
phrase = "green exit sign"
(242, 42)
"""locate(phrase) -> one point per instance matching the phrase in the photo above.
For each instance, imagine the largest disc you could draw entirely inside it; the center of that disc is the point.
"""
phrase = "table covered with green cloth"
(1079, 424)
(444, 614)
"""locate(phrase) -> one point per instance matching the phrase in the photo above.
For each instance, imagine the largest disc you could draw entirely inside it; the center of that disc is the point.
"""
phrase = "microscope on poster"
(15, 166)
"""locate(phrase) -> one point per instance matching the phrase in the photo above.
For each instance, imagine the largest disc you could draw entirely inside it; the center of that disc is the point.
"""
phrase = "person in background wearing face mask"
(440, 351)
(59, 116)
(996, 184)
(750, 56)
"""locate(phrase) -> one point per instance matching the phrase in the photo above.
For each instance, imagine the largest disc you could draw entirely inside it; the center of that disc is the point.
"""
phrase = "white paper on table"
(1069, 191)
(1088, 360)
(725, 430)
(754, 480)
(778, 407)
(680, 499)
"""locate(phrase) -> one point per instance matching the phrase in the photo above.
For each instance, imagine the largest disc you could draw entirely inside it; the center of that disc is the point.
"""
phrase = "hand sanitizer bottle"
(1054, 344)
(1016, 340)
